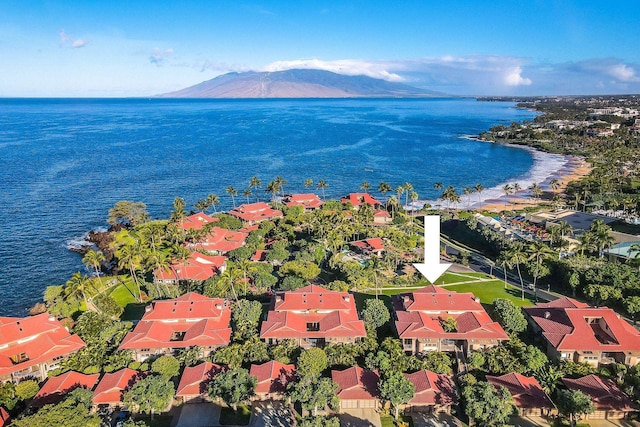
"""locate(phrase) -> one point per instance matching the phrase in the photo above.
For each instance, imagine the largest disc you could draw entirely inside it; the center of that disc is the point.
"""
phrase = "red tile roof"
(419, 315)
(356, 199)
(220, 240)
(4, 417)
(307, 201)
(580, 328)
(197, 221)
(432, 388)
(57, 387)
(255, 212)
(200, 320)
(526, 391)
(113, 385)
(260, 255)
(356, 383)
(194, 379)
(381, 213)
(371, 245)
(197, 267)
(40, 338)
(334, 312)
(603, 392)
(273, 376)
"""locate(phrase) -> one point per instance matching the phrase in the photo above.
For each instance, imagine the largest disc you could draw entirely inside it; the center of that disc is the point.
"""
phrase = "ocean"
(65, 162)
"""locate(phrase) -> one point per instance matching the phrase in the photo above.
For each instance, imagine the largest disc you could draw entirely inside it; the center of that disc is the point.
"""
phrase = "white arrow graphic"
(432, 269)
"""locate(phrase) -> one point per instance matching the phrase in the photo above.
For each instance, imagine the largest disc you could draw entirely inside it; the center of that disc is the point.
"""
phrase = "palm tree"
(281, 182)
(438, 186)
(212, 201)
(247, 192)
(232, 192)
(554, 184)
(407, 187)
(178, 212)
(384, 188)
(78, 285)
(365, 186)
(200, 205)
(539, 252)
(322, 184)
(467, 192)
(516, 257)
(503, 260)
(507, 190)
(273, 187)
(479, 189)
(536, 191)
(255, 183)
(129, 256)
(94, 259)
(308, 183)
(227, 280)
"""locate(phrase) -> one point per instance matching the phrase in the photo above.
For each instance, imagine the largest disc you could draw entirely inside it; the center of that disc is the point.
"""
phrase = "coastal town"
(296, 309)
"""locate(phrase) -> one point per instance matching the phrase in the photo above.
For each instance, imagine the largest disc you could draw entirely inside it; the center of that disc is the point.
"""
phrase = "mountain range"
(298, 83)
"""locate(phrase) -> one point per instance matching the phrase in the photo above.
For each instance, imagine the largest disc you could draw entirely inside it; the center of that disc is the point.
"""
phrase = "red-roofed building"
(528, 395)
(357, 388)
(380, 216)
(421, 313)
(32, 346)
(434, 392)
(373, 246)
(357, 199)
(273, 378)
(4, 417)
(312, 316)
(198, 267)
(197, 221)
(610, 402)
(259, 256)
(171, 325)
(309, 202)
(575, 331)
(219, 241)
(59, 386)
(112, 386)
(193, 382)
(255, 212)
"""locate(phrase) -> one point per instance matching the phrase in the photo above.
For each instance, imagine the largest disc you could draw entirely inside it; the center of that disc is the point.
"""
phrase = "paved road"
(270, 414)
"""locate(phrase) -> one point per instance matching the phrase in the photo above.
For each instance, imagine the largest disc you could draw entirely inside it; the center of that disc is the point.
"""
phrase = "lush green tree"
(73, 411)
(108, 305)
(375, 313)
(134, 423)
(549, 378)
(291, 283)
(632, 305)
(128, 213)
(343, 355)
(438, 362)
(278, 252)
(189, 356)
(449, 324)
(396, 389)
(311, 363)
(397, 357)
(255, 350)
(509, 316)
(231, 355)
(315, 393)
(574, 403)
(286, 351)
(27, 389)
(245, 318)
(150, 395)
(320, 421)
(94, 259)
(306, 270)
(167, 366)
(600, 294)
(233, 386)
(487, 405)
(8, 397)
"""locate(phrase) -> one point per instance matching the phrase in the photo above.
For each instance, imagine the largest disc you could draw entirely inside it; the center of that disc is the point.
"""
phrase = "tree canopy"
(150, 395)
(233, 386)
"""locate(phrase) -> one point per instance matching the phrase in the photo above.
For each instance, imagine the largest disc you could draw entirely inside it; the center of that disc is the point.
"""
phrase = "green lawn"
(240, 418)
(389, 421)
(489, 291)
(122, 293)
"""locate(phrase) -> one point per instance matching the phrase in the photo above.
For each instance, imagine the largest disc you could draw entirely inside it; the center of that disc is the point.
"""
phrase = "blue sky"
(476, 47)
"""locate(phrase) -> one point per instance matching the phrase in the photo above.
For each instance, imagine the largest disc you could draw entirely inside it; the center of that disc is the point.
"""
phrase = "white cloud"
(64, 38)
(78, 43)
(158, 56)
(68, 40)
(623, 73)
(514, 78)
(349, 67)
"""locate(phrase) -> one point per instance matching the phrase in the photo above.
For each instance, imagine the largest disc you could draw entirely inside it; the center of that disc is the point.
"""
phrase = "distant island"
(299, 83)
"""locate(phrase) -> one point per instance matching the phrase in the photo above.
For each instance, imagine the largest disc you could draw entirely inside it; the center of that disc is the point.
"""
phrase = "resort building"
(610, 402)
(197, 221)
(433, 318)
(273, 378)
(194, 382)
(198, 267)
(309, 202)
(56, 388)
(369, 247)
(358, 199)
(184, 322)
(434, 392)
(312, 316)
(255, 212)
(112, 386)
(575, 331)
(32, 346)
(357, 388)
(528, 395)
(219, 241)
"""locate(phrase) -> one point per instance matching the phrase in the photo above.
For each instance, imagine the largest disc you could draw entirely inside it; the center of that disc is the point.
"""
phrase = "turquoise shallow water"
(64, 163)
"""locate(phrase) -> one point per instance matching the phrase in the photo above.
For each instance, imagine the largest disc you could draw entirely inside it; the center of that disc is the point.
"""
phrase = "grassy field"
(240, 418)
(389, 421)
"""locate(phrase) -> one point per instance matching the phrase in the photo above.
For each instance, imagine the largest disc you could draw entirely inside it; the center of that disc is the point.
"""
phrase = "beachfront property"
(623, 251)
(368, 247)
(198, 267)
(194, 381)
(435, 319)
(187, 321)
(309, 202)
(357, 388)
(197, 221)
(56, 388)
(253, 213)
(312, 316)
(112, 386)
(32, 346)
(528, 395)
(355, 200)
(273, 379)
(219, 241)
(610, 402)
(574, 331)
(434, 393)
(579, 221)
